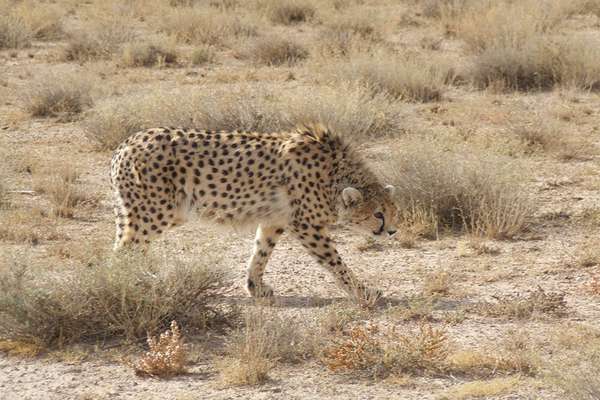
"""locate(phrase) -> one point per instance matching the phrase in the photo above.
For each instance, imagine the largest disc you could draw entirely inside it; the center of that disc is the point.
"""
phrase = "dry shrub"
(30, 226)
(447, 9)
(362, 350)
(404, 78)
(524, 306)
(203, 55)
(147, 54)
(288, 12)
(14, 32)
(122, 297)
(274, 50)
(348, 110)
(580, 62)
(166, 355)
(488, 24)
(417, 308)
(575, 369)
(437, 283)
(266, 339)
(443, 185)
(550, 138)
(63, 94)
(43, 20)
(483, 389)
(58, 183)
(206, 26)
(349, 35)
(101, 39)
(335, 318)
(513, 355)
(532, 64)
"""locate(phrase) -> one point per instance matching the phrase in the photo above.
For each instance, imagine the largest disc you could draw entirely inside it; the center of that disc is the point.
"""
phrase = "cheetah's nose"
(392, 232)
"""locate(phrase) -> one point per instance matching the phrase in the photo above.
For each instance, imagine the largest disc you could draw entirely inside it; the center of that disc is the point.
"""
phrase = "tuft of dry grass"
(525, 306)
(442, 185)
(14, 32)
(483, 389)
(203, 55)
(403, 78)
(349, 110)
(512, 355)
(123, 297)
(362, 350)
(206, 26)
(166, 356)
(437, 283)
(64, 94)
(147, 54)
(266, 339)
(43, 20)
(58, 183)
(289, 12)
(349, 35)
(101, 40)
(548, 137)
(30, 226)
(418, 308)
(593, 286)
(274, 51)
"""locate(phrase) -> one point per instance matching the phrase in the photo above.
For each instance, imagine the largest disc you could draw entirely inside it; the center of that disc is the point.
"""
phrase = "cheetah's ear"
(351, 197)
(391, 190)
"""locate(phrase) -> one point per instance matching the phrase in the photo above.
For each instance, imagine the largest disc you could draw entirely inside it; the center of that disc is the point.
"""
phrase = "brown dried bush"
(166, 356)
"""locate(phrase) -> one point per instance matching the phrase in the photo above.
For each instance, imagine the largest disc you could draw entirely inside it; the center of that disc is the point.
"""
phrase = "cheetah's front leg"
(266, 238)
(317, 241)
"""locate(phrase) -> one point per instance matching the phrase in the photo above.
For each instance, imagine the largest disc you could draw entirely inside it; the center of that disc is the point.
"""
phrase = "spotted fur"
(302, 181)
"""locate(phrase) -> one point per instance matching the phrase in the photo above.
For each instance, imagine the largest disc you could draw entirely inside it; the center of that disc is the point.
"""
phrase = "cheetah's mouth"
(380, 230)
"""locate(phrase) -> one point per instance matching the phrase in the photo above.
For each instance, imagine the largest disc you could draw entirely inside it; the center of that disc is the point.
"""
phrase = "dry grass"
(349, 35)
(513, 355)
(61, 93)
(14, 32)
(265, 340)
(206, 26)
(148, 54)
(593, 286)
(58, 184)
(335, 318)
(417, 308)
(483, 389)
(348, 110)
(362, 350)
(274, 51)
(100, 40)
(288, 12)
(547, 136)
(166, 356)
(43, 20)
(203, 55)
(122, 297)
(28, 226)
(402, 78)
(524, 306)
(453, 186)
(437, 283)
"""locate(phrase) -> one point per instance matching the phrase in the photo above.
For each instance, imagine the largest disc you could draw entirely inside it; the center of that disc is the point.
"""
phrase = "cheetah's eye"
(378, 215)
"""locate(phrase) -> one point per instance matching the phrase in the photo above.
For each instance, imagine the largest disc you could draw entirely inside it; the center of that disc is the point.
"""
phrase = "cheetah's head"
(372, 212)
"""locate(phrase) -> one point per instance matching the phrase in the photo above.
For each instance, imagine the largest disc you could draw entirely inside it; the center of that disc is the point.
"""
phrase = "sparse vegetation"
(166, 355)
(147, 55)
(63, 94)
(275, 51)
(524, 306)
(101, 40)
(402, 78)
(483, 389)
(456, 188)
(122, 297)
(14, 32)
(265, 340)
(289, 12)
(203, 55)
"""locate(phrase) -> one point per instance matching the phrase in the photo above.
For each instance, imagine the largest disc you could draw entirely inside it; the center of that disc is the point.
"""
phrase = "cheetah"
(303, 181)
